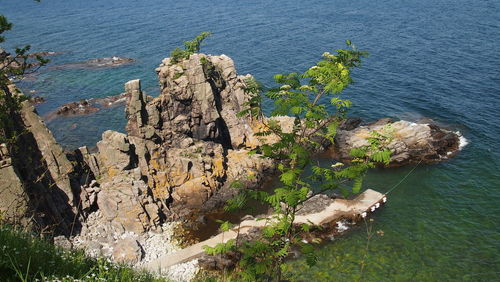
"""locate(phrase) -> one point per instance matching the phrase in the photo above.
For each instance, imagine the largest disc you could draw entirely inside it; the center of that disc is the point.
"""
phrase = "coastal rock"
(115, 152)
(86, 106)
(182, 138)
(37, 181)
(203, 95)
(46, 53)
(126, 204)
(89, 164)
(127, 251)
(14, 203)
(88, 196)
(77, 108)
(409, 142)
(106, 62)
(37, 100)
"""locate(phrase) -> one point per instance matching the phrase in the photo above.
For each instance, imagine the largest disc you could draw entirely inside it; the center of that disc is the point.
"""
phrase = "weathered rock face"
(36, 178)
(200, 98)
(127, 204)
(409, 142)
(183, 136)
(128, 251)
(186, 145)
(116, 152)
(14, 203)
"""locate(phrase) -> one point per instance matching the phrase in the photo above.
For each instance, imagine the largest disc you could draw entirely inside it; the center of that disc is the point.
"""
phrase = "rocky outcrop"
(127, 204)
(182, 151)
(106, 62)
(200, 98)
(14, 203)
(409, 142)
(37, 181)
(185, 138)
(86, 106)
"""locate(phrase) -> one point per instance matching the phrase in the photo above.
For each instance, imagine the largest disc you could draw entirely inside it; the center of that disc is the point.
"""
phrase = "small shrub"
(190, 47)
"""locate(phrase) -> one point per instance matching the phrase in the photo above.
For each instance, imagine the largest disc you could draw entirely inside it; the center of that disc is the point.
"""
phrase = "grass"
(24, 257)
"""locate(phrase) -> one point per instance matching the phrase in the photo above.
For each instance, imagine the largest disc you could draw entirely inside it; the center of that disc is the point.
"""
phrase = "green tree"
(305, 97)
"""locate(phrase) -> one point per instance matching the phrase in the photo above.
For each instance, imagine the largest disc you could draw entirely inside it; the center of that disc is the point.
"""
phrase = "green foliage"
(236, 203)
(376, 151)
(253, 105)
(27, 258)
(225, 225)
(5, 25)
(177, 75)
(190, 47)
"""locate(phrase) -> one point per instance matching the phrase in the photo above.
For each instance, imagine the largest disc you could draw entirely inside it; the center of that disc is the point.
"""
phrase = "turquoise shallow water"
(438, 59)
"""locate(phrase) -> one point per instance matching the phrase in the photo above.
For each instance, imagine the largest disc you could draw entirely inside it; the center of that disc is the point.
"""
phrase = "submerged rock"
(46, 53)
(37, 100)
(86, 106)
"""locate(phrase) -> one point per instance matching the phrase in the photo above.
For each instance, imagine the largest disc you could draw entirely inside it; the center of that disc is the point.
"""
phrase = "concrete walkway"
(364, 203)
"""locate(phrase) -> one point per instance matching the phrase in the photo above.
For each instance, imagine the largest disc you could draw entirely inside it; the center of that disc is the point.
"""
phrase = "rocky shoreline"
(96, 63)
(180, 154)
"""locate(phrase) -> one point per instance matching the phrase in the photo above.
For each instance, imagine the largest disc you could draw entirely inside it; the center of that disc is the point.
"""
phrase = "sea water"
(428, 58)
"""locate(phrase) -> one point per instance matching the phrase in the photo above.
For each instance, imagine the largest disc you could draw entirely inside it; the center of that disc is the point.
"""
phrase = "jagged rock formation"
(37, 181)
(409, 142)
(182, 147)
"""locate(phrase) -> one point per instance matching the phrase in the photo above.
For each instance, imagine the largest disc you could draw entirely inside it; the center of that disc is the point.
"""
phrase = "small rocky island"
(180, 153)
(410, 142)
(106, 62)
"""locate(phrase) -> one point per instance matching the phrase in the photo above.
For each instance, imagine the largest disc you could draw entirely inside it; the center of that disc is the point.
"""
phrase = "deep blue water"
(439, 59)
